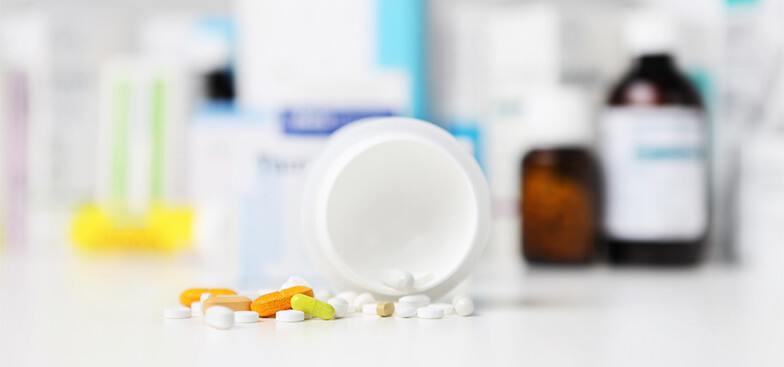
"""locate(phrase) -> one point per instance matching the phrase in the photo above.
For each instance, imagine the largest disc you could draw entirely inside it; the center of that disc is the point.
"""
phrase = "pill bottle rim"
(348, 143)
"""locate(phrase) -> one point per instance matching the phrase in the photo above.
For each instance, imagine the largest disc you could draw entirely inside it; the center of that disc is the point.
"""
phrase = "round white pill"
(369, 308)
(196, 308)
(322, 294)
(415, 301)
(399, 279)
(177, 313)
(464, 306)
(349, 296)
(430, 312)
(219, 317)
(405, 311)
(364, 299)
(289, 316)
(244, 317)
(448, 308)
(204, 296)
(340, 305)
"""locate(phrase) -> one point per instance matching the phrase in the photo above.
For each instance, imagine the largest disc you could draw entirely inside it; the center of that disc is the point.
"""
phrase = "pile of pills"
(222, 308)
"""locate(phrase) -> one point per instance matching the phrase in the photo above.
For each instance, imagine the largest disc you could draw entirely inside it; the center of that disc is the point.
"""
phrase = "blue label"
(310, 121)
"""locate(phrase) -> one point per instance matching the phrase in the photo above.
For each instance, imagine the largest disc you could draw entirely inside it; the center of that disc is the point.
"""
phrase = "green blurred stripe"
(122, 108)
(158, 137)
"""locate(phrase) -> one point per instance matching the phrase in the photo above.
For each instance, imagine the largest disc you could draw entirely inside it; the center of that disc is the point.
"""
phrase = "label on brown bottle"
(655, 171)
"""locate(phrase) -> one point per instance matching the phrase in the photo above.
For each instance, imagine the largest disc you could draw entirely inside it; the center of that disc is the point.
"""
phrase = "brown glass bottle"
(560, 205)
(654, 84)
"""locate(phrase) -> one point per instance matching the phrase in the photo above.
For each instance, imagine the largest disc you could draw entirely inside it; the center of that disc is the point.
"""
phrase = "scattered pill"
(221, 292)
(269, 304)
(196, 309)
(235, 303)
(430, 312)
(458, 296)
(191, 295)
(405, 311)
(204, 296)
(251, 295)
(369, 309)
(464, 306)
(340, 305)
(385, 309)
(399, 279)
(219, 317)
(312, 306)
(245, 317)
(294, 281)
(415, 301)
(448, 308)
(364, 299)
(322, 294)
(177, 313)
(289, 316)
(349, 296)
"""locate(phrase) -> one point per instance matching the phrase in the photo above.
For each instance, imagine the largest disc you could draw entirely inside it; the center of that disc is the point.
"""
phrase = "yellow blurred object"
(161, 229)
(222, 292)
(191, 295)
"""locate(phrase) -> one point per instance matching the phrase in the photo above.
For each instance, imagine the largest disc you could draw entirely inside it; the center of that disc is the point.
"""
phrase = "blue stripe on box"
(313, 121)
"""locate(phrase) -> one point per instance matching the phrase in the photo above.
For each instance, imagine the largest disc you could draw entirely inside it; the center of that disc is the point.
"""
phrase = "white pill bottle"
(392, 194)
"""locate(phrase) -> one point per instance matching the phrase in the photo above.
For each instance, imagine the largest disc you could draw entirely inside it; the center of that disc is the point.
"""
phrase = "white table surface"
(108, 312)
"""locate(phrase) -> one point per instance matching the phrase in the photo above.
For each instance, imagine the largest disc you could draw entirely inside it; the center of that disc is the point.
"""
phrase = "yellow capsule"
(312, 306)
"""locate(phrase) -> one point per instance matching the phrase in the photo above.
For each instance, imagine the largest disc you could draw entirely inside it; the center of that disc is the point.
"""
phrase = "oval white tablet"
(245, 317)
(398, 279)
(204, 296)
(369, 308)
(448, 308)
(177, 313)
(464, 306)
(340, 305)
(322, 294)
(196, 308)
(405, 311)
(430, 312)
(364, 299)
(289, 316)
(219, 317)
(415, 301)
(349, 296)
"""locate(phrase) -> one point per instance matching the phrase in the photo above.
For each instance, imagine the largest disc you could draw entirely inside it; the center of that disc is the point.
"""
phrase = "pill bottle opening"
(395, 193)
(405, 204)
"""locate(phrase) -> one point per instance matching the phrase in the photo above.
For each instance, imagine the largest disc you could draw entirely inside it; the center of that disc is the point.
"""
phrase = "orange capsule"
(269, 304)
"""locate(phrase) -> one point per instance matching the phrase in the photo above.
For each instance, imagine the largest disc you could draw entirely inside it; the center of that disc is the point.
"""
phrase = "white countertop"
(103, 311)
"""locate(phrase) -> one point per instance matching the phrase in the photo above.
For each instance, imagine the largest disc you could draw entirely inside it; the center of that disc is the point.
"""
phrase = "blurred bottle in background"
(560, 181)
(654, 154)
